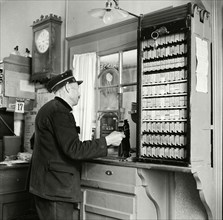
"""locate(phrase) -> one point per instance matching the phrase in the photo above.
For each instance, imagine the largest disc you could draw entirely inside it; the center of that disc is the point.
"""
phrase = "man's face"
(74, 93)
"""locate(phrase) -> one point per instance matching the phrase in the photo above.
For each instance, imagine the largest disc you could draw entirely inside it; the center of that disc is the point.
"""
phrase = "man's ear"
(67, 87)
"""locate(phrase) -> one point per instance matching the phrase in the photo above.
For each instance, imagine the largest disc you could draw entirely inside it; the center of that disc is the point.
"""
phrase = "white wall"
(79, 21)
(17, 18)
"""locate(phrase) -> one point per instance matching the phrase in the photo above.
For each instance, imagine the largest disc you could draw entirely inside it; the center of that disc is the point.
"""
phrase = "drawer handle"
(109, 172)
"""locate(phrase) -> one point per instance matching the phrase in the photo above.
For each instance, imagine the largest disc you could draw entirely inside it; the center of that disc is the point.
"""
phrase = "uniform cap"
(58, 81)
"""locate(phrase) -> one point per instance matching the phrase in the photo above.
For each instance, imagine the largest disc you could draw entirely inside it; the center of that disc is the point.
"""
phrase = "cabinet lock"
(109, 172)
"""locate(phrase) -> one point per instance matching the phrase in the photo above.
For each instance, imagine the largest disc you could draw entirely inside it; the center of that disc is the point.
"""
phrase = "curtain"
(84, 68)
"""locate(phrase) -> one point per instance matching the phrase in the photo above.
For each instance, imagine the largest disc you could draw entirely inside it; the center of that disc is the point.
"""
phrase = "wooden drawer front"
(110, 174)
(15, 209)
(112, 205)
(92, 216)
(12, 180)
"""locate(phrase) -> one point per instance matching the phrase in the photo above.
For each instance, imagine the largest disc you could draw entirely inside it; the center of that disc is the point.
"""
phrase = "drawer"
(109, 204)
(123, 179)
(13, 180)
(92, 216)
(15, 209)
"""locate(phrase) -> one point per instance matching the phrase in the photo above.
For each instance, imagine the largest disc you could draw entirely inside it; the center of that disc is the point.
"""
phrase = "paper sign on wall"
(202, 65)
(19, 106)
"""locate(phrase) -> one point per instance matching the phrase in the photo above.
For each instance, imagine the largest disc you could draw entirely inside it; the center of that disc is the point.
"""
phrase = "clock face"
(42, 40)
(109, 77)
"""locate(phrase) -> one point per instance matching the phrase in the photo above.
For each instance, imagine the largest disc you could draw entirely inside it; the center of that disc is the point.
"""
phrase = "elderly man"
(57, 153)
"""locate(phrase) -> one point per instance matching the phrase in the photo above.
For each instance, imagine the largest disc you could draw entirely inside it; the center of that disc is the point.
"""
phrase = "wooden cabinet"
(174, 87)
(16, 92)
(113, 192)
(114, 189)
(15, 200)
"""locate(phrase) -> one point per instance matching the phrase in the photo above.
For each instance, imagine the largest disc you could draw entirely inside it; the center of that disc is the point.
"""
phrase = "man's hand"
(114, 138)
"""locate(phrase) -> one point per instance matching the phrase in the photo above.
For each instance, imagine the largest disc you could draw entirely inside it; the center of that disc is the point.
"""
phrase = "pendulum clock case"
(174, 94)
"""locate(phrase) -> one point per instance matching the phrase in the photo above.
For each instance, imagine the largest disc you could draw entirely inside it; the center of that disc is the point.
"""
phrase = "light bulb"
(108, 17)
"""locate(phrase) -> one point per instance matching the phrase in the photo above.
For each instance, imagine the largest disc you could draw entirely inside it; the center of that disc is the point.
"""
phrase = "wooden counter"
(125, 163)
(117, 189)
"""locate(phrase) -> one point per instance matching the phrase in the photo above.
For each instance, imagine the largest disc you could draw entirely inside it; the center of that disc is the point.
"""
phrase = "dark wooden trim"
(102, 33)
(166, 15)
(99, 36)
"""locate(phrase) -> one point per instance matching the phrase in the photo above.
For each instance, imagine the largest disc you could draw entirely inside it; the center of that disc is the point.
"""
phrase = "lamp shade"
(108, 17)
(97, 12)
(109, 13)
(120, 13)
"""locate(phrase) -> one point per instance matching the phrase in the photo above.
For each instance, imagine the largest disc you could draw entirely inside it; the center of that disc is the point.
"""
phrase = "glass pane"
(109, 78)
(129, 100)
(129, 69)
(109, 98)
(109, 70)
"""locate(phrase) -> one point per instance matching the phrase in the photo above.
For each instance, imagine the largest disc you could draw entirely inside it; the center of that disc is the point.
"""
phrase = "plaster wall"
(187, 200)
(17, 16)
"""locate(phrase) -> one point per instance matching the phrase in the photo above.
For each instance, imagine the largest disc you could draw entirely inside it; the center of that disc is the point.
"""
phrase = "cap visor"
(79, 82)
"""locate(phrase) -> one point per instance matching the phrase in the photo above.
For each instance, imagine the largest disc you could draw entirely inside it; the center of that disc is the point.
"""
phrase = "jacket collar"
(64, 103)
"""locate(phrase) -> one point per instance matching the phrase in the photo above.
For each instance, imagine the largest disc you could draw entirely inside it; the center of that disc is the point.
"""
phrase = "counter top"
(118, 162)
(13, 166)
(125, 163)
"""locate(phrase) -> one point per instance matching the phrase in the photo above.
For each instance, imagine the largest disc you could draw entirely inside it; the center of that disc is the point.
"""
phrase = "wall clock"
(46, 49)
(109, 77)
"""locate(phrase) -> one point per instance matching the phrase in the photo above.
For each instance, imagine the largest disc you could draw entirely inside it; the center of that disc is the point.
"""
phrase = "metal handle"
(109, 172)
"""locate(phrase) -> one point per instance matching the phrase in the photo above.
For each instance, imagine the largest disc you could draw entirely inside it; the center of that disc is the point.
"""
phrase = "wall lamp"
(110, 13)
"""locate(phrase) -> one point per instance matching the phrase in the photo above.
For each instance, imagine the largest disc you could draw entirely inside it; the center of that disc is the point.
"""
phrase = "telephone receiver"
(124, 147)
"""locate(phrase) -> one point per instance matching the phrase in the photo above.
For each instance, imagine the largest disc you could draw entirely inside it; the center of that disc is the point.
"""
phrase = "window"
(116, 92)
(116, 82)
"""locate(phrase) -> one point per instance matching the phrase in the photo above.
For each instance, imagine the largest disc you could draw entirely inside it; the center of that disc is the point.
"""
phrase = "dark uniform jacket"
(57, 153)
